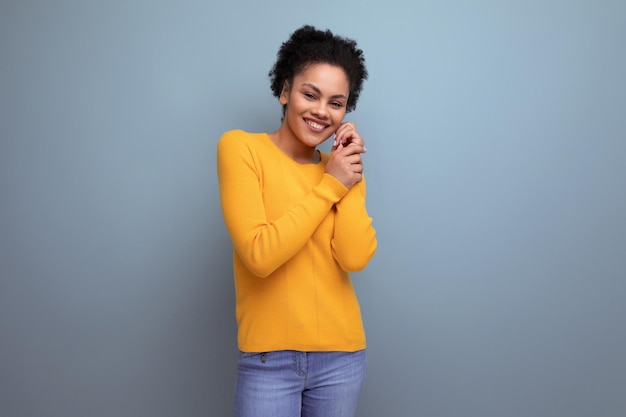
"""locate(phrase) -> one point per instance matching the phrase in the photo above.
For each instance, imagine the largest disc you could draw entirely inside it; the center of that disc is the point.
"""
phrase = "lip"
(319, 125)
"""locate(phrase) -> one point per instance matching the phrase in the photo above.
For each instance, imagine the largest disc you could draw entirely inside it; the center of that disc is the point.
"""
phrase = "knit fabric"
(297, 232)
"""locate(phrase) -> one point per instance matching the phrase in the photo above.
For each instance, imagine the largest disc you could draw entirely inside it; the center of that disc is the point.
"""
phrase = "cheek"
(340, 114)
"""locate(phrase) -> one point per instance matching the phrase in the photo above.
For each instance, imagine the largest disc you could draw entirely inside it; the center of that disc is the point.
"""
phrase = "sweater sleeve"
(265, 245)
(354, 242)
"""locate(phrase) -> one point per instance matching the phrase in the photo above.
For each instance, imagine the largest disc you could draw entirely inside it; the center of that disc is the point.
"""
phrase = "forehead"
(326, 77)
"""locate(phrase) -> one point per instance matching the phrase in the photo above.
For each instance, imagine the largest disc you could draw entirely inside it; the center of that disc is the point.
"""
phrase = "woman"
(299, 225)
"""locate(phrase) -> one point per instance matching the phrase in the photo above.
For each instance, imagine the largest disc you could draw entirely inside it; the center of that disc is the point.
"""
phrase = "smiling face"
(315, 105)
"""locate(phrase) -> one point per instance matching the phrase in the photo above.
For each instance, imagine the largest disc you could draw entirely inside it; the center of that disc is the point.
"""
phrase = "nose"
(320, 110)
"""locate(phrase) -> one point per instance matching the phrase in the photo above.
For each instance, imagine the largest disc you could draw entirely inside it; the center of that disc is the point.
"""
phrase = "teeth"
(315, 125)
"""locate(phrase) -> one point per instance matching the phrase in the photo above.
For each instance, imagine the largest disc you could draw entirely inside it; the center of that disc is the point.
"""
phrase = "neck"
(293, 148)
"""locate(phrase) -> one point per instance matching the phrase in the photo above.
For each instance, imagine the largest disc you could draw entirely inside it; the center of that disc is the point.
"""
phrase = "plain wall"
(496, 139)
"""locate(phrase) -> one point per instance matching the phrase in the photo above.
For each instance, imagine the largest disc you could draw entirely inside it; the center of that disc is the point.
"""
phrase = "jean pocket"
(252, 355)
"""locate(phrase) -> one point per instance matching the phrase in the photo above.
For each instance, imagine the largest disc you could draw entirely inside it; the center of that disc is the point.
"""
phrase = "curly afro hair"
(309, 45)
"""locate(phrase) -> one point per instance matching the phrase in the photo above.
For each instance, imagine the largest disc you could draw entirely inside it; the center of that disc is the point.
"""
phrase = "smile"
(315, 125)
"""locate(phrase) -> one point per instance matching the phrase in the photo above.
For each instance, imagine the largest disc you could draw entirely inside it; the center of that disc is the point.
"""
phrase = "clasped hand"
(345, 161)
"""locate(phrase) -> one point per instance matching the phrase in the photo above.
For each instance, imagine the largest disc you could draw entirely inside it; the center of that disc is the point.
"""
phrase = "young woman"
(298, 223)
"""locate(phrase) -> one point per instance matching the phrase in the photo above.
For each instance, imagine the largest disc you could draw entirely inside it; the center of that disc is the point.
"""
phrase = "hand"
(347, 134)
(345, 162)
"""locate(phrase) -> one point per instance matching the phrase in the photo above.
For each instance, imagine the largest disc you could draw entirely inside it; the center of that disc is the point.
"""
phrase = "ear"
(284, 94)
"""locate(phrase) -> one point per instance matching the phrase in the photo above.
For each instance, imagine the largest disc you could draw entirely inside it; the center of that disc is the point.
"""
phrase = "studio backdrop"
(496, 138)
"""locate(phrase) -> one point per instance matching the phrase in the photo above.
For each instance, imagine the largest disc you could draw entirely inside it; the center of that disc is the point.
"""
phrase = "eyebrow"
(318, 91)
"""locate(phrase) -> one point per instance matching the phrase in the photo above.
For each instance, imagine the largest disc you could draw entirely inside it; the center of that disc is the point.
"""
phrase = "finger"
(348, 136)
(352, 149)
(347, 125)
(356, 167)
(343, 132)
(338, 139)
(353, 163)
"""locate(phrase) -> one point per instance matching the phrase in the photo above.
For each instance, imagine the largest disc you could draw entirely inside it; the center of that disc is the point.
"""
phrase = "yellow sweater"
(296, 233)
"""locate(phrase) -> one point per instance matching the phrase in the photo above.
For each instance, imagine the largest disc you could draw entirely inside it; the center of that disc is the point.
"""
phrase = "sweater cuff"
(331, 188)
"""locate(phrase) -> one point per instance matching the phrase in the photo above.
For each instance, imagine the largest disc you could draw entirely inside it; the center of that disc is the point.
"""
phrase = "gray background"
(496, 135)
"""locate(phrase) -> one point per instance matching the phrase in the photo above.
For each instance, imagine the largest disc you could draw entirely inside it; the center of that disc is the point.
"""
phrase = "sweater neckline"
(312, 164)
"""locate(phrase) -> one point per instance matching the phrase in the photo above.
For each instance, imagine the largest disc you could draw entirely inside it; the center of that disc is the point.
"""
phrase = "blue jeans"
(289, 383)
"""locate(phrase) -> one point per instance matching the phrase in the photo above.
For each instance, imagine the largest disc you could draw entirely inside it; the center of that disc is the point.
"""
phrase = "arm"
(265, 245)
(354, 242)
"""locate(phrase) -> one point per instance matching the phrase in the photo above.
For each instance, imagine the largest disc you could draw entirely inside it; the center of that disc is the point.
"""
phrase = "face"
(315, 103)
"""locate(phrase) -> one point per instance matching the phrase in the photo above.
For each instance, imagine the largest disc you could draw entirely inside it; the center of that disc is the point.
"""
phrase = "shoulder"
(237, 136)
(241, 138)
(239, 144)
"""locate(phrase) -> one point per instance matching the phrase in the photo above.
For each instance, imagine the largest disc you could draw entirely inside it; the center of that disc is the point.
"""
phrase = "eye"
(336, 104)
(309, 96)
